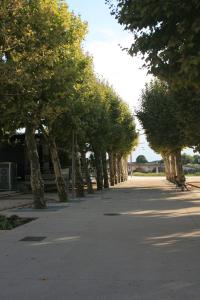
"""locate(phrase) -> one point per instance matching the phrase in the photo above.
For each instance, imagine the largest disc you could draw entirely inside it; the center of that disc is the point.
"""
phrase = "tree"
(58, 98)
(102, 122)
(187, 110)
(36, 37)
(26, 59)
(196, 158)
(161, 126)
(168, 39)
(167, 34)
(111, 135)
(141, 159)
(122, 137)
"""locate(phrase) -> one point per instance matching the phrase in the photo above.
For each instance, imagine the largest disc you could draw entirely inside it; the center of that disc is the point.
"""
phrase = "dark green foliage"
(190, 159)
(187, 110)
(196, 159)
(167, 34)
(141, 159)
(122, 135)
(158, 118)
(187, 159)
(48, 82)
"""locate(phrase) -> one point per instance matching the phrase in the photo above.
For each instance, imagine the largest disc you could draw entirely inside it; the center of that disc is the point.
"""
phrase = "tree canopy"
(141, 159)
(167, 34)
(48, 85)
(162, 127)
(39, 42)
(158, 119)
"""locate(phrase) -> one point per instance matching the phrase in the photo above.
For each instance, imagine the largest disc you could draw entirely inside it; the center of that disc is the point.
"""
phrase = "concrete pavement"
(149, 250)
(193, 181)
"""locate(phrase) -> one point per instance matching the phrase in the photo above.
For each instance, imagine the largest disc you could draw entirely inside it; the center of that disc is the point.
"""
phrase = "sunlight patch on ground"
(171, 239)
(57, 241)
(168, 213)
(194, 233)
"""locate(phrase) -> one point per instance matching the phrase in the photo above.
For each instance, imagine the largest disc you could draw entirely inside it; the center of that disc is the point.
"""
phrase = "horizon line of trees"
(48, 85)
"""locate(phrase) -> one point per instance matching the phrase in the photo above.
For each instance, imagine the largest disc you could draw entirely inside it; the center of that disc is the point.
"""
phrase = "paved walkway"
(148, 252)
(194, 181)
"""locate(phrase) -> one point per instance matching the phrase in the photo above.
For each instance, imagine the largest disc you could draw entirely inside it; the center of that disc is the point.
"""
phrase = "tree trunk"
(179, 167)
(167, 167)
(112, 176)
(87, 173)
(119, 168)
(122, 170)
(169, 162)
(173, 167)
(37, 184)
(60, 181)
(78, 175)
(126, 169)
(73, 174)
(105, 171)
(98, 166)
(115, 168)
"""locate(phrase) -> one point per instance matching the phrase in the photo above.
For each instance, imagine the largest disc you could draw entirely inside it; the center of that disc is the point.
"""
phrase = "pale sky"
(121, 70)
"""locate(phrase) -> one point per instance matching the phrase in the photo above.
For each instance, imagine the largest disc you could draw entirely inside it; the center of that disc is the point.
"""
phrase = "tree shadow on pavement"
(171, 217)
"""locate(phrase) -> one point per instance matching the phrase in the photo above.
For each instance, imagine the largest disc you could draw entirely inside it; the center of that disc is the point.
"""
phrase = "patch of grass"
(193, 174)
(8, 223)
(148, 174)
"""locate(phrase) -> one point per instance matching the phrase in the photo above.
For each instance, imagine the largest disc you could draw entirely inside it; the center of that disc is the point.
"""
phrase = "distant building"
(150, 167)
(14, 152)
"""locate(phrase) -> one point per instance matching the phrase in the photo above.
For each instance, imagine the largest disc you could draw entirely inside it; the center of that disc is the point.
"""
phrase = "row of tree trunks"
(173, 166)
(102, 178)
(99, 168)
(118, 168)
(37, 183)
(117, 165)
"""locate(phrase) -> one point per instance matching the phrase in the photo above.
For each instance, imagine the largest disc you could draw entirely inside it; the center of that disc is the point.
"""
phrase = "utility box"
(8, 176)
